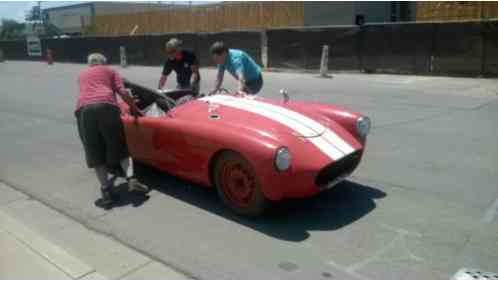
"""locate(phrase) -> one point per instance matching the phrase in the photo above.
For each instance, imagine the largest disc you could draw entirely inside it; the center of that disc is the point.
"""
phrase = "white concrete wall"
(72, 18)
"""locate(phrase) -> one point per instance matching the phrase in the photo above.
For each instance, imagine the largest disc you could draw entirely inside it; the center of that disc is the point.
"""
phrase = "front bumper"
(336, 172)
(333, 183)
(307, 179)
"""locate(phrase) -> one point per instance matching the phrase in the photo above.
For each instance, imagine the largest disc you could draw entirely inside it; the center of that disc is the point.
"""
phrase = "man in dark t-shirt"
(184, 63)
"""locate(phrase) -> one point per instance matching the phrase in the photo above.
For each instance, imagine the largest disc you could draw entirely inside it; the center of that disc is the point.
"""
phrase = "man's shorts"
(254, 86)
(102, 134)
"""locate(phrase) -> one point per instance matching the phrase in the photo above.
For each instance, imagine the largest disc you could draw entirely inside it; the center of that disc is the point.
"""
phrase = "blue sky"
(17, 9)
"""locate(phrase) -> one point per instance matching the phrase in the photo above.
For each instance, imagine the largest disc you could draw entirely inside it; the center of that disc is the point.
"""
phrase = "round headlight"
(363, 126)
(283, 159)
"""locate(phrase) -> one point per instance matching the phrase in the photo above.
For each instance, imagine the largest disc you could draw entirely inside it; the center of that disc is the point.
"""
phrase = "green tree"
(12, 29)
(34, 14)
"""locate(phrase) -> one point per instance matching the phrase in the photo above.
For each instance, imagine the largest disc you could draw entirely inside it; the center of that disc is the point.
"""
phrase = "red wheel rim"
(238, 183)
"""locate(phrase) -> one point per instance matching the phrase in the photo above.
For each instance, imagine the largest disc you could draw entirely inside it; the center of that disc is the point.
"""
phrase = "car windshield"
(154, 111)
(154, 103)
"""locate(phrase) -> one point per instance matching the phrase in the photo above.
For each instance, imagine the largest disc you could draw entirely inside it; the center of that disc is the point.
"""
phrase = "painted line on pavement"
(491, 213)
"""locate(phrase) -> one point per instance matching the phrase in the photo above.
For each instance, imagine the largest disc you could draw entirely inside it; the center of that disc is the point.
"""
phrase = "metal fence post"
(361, 41)
(264, 49)
(122, 52)
(324, 64)
(433, 47)
(483, 48)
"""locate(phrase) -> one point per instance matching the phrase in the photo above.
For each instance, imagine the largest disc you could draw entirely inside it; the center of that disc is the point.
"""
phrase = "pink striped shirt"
(99, 84)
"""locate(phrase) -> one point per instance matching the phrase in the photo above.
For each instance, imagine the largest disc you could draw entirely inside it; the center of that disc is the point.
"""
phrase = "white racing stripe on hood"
(332, 137)
(329, 135)
(295, 121)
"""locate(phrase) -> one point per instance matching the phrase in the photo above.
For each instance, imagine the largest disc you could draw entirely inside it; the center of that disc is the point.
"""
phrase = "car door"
(139, 136)
(156, 141)
(170, 147)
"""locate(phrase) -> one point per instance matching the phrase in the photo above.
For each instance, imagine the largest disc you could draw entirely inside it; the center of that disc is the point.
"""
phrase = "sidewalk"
(40, 243)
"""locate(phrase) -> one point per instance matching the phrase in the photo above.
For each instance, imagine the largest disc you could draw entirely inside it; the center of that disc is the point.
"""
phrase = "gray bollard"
(264, 49)
(122, 53)
(1, 56)
(324, 65)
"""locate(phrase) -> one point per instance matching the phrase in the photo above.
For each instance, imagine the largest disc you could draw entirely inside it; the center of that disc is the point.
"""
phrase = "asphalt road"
(422, 204)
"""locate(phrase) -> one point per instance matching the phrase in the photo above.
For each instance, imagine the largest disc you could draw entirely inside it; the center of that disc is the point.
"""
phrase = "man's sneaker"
(135, 185)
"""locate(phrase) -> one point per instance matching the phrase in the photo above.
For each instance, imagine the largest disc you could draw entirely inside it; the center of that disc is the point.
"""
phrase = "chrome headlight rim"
(283, 159)
(363, 126)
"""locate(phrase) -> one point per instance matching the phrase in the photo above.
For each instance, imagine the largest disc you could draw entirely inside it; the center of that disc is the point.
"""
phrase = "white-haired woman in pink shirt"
(100, 127)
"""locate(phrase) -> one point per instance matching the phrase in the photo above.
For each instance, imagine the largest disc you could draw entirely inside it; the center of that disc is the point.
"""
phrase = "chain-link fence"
(302, 48)
(468, 49)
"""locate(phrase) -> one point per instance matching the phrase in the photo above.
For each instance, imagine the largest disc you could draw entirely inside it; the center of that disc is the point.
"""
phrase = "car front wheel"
(238, 185)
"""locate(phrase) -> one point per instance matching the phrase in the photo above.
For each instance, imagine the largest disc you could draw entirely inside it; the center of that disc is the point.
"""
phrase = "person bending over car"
(184, 63)
(240, 65)
(100, 127)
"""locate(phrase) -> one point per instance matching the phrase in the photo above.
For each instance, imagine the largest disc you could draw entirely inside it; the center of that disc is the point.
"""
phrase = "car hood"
(271, 119)
(255, 113)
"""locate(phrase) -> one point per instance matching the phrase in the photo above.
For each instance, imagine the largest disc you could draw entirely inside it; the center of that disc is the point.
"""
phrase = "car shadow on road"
(291, 220)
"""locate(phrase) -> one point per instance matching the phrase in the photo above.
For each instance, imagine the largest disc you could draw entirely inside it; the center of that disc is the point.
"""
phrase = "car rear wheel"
(238, 186)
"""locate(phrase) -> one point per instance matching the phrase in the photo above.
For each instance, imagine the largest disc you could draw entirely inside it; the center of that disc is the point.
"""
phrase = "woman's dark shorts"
(254, 86)
(102, 134)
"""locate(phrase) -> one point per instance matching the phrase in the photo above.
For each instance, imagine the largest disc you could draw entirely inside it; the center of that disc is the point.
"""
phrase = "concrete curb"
(72, 248)
(56, 255)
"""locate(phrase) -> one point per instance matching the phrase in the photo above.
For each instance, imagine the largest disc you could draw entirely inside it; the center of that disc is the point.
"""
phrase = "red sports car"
(254, 150)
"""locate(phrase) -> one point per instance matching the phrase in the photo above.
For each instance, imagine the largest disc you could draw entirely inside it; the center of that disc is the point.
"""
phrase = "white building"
(73, 19)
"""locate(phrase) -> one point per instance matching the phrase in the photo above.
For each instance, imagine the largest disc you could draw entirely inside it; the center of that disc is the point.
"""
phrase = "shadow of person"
(290, 220)
(123, 197)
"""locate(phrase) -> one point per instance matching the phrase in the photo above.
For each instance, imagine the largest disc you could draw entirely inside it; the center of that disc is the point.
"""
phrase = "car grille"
(339, 168)
(474, 274)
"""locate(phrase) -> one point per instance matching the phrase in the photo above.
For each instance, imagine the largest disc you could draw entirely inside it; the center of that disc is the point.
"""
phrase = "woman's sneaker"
(107, 200)
(135, 185)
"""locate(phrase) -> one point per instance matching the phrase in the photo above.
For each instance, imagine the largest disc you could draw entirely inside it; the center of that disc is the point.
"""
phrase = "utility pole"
(39, 12)
(36, 18)
(42, 16)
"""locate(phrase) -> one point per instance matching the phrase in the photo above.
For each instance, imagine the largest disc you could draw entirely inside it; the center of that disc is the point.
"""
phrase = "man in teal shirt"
(240, 65)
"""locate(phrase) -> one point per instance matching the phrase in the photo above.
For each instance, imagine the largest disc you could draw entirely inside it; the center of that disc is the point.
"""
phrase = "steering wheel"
(165, 103)
(184, 99)
(220, 90)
